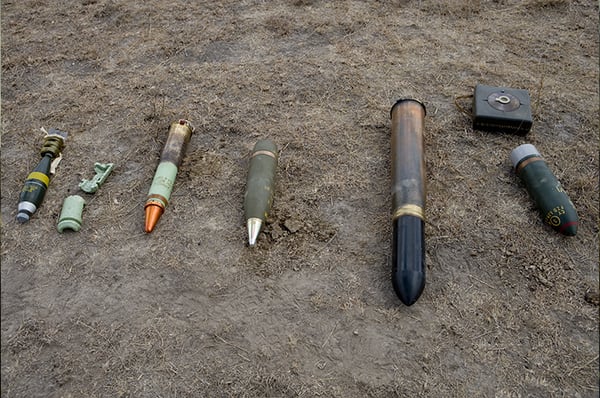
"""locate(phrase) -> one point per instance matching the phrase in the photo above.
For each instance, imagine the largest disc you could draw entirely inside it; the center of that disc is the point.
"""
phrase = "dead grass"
(510, 308)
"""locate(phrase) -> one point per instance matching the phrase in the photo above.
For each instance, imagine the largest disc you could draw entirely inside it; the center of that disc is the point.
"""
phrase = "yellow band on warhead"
(39, 176)
(408, 210)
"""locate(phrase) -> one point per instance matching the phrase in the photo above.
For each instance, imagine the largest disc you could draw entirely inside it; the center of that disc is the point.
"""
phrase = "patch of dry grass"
(189, 310)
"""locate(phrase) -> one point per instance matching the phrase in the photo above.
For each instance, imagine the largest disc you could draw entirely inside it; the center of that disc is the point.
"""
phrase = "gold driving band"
(408, 210)
(268, 153)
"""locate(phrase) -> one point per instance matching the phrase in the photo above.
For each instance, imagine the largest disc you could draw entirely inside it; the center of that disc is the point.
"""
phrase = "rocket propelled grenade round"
(554, 204)
(259, 189)
(37, 181)
(408, 200)
(164, 178)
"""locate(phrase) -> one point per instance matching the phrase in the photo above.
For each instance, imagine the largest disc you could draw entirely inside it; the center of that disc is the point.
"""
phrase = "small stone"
(292, 225)
(592, 297)
(276, 232)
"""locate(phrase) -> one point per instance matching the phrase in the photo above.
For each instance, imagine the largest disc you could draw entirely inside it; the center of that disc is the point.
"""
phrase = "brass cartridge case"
(177, 141)
(408, 160)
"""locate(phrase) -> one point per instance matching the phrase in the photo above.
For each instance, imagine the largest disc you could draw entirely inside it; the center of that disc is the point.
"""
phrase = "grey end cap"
(521, 152)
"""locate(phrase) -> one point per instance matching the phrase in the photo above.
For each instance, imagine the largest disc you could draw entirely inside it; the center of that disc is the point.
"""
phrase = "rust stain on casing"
(177, 141)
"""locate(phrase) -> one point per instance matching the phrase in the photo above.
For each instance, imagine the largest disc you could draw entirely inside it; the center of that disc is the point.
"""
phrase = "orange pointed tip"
(153, 213)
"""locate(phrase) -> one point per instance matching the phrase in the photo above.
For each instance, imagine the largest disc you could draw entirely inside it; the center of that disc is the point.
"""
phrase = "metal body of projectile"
(408, 200)
(164, 177)
(37, 181)
(259, 189)
(554, 204)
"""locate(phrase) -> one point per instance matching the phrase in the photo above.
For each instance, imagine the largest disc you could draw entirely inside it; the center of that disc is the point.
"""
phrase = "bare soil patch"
(510, 308)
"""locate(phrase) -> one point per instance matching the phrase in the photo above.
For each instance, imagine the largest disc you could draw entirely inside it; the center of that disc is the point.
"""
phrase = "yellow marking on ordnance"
(39, 176)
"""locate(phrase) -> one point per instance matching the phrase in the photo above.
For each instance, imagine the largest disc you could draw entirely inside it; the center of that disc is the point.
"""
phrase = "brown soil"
(510, 308)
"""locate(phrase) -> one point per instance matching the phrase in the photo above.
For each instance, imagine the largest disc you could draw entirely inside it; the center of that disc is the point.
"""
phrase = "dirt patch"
(510, 308)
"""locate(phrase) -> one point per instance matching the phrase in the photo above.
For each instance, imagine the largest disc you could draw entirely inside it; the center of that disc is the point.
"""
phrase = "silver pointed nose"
(254, 225)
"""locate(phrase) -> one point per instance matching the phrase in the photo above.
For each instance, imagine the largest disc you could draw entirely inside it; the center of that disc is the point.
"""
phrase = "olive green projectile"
(260, 186)
(552, 201)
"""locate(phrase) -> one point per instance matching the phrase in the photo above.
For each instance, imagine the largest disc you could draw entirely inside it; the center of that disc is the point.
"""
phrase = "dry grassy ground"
(510, 307)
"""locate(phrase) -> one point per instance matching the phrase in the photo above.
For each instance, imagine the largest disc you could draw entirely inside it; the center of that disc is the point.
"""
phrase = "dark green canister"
(554, 204)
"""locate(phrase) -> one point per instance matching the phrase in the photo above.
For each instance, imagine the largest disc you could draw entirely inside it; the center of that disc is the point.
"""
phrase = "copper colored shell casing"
(408, 200)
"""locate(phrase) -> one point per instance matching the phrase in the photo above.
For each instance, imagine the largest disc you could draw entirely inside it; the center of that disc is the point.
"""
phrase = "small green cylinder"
(70, 215)
(261, 176)
(552, 201)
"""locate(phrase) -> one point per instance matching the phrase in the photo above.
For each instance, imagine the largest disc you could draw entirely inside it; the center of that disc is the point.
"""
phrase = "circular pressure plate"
(504, 102)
